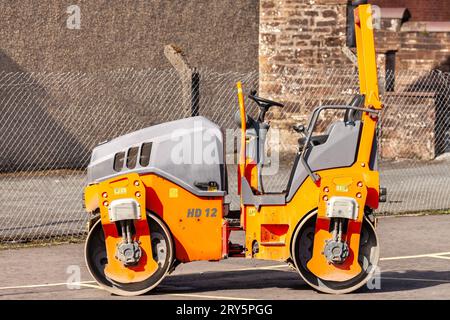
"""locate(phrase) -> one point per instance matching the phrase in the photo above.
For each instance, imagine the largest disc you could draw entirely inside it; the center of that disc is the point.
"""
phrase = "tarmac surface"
(415, 264)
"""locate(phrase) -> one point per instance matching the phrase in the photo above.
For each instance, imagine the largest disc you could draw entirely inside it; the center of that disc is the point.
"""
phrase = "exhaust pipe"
(351, 5)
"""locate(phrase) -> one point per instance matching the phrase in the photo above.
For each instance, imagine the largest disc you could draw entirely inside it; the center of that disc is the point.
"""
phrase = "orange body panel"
(119, 188)
(242, 167)
(247, 167)
(346, 185)
(195, 222)
(310, 196)
(304, 201)
(243, 144)
(115, 269)
(307, 199)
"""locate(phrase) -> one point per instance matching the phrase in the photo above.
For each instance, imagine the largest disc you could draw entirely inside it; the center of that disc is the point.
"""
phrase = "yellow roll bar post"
(369, 179)
(243, 151)
(242, 167)
(368, 78)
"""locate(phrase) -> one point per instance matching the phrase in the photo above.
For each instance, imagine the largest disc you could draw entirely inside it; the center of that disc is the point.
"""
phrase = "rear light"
(383, 195)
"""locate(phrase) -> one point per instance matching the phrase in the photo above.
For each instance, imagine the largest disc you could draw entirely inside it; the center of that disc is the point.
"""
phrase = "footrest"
(273, 244)
(232, 223)
(249, 198)
(235, 250)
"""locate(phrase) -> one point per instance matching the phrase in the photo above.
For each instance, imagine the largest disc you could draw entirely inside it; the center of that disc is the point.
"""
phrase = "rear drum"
(162, 250)
(301, 252)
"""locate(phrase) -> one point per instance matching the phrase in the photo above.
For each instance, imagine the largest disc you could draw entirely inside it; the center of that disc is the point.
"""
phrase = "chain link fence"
(49, 123)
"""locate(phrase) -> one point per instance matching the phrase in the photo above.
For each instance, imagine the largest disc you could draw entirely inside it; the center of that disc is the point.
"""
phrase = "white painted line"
(440, 257)
(277, 266)
(90, 285)
(72, 284)
(415, 279)
(94, 286)
(428, 255)
(207, 296)
(280, 266)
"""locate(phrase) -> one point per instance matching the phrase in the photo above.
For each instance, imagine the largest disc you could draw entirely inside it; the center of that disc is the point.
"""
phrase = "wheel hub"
(129, 253)
(336, 251)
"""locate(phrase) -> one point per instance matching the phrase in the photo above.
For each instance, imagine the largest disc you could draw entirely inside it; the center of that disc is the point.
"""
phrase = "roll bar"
(312, 124)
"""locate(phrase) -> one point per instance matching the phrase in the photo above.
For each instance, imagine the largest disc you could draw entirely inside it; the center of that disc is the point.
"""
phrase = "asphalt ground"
(415, 264)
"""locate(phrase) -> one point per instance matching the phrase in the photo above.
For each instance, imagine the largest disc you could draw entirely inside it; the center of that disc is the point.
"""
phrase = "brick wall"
(421, 10)
(301, 32)
(424, 51)
(407, 130)
(416, 48)
(297, 37)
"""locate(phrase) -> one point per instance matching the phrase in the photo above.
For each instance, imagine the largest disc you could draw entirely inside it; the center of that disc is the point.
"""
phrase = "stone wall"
(417, 48)
(302, 32)
(406, 132)
(421, 10)
(417, 45)
(297, 37)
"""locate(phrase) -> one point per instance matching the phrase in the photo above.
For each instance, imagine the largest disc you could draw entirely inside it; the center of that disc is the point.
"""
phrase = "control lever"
(299, 128)
(207, 186)
(263, 104)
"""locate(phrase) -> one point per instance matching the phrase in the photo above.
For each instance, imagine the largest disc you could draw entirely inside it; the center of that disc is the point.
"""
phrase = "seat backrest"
(339, 150)
(353, 115)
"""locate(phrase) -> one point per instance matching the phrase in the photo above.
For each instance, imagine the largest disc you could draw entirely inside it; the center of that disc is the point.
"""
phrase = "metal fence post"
(195, 92)
(190, 79)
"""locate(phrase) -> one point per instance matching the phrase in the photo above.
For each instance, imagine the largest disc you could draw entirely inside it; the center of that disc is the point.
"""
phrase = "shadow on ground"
(392, 281)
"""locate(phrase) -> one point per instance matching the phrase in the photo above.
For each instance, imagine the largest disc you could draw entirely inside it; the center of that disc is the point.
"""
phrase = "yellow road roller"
(159, 196)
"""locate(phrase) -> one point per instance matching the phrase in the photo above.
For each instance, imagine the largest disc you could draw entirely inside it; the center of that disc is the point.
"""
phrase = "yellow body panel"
(91, 198)
(303, 202)
(339, 182)
(195, 222)
(126, 186)
(308, 198)
(347, 185)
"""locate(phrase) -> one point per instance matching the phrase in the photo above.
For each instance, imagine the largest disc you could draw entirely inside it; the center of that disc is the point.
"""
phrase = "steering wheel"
(264, 104)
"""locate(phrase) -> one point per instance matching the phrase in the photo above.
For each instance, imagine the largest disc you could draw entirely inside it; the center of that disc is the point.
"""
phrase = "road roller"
(159, 196)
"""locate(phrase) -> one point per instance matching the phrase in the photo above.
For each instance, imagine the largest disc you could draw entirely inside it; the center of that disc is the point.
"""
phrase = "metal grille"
(49, 123)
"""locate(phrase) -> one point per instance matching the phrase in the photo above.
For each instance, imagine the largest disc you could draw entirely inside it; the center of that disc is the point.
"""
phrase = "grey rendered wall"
(219, 34)
(50, 120)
